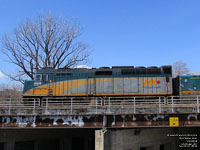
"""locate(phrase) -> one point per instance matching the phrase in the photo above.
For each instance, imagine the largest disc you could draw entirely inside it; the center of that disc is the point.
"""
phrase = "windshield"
(38, 77)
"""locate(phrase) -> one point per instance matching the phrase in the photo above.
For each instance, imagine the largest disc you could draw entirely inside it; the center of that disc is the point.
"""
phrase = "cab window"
(38, 77)
(44, 77)
(50, 77)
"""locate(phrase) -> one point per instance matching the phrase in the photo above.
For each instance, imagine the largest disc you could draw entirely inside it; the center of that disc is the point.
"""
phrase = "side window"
(44, 77)
(50, 77)
(38, 77)
(185, 85)
(167, 79)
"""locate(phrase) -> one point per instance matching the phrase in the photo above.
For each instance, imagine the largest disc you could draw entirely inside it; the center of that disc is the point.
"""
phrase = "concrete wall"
(139, 139)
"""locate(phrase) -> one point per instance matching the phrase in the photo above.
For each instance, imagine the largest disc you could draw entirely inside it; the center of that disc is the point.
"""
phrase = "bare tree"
(47, 41)
(180, 68)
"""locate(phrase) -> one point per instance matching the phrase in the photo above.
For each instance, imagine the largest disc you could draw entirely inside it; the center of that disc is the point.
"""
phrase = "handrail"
(96, 105)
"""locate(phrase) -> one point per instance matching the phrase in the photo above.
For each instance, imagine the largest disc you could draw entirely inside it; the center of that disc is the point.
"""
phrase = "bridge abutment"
(99, 139)
(139, 139)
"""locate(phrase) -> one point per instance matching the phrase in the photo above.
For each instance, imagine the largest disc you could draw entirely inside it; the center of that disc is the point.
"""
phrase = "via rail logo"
(150, 82)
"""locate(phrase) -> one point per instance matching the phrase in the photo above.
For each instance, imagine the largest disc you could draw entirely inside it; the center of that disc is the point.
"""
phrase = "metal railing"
(184, 102)
(135, 102)
(99, 105)
(71, 104)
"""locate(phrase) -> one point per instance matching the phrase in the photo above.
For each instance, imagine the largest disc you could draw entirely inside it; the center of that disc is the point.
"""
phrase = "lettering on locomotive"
(148, 82)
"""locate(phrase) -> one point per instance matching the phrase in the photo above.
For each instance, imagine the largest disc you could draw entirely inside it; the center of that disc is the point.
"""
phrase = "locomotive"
(105, 81)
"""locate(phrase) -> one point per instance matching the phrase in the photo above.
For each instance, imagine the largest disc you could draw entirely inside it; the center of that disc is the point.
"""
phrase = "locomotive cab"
(40, 86)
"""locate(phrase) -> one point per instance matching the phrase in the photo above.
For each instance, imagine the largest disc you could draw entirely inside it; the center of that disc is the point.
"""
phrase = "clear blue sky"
(130, 32)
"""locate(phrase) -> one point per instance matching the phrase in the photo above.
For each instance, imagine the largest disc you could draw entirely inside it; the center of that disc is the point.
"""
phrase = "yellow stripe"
(183, 92)
(194, 78)
(134, 94)
(121, 94)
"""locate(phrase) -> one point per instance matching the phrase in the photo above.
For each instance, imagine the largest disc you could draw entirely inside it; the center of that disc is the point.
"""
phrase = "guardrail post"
(9, 106)
(96, 104)
(34, 106)
(134, 105)
(159, 106)
(198, 104)
(109, 104)
(46, 104)
(71, 105)
(38, 102)
(172, 104)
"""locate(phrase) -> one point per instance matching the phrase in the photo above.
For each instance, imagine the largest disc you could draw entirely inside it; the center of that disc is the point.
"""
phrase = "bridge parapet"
(100, 121)
(111, 112)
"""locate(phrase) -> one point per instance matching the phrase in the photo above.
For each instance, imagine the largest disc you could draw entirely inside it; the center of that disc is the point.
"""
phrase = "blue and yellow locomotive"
(104, 81)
